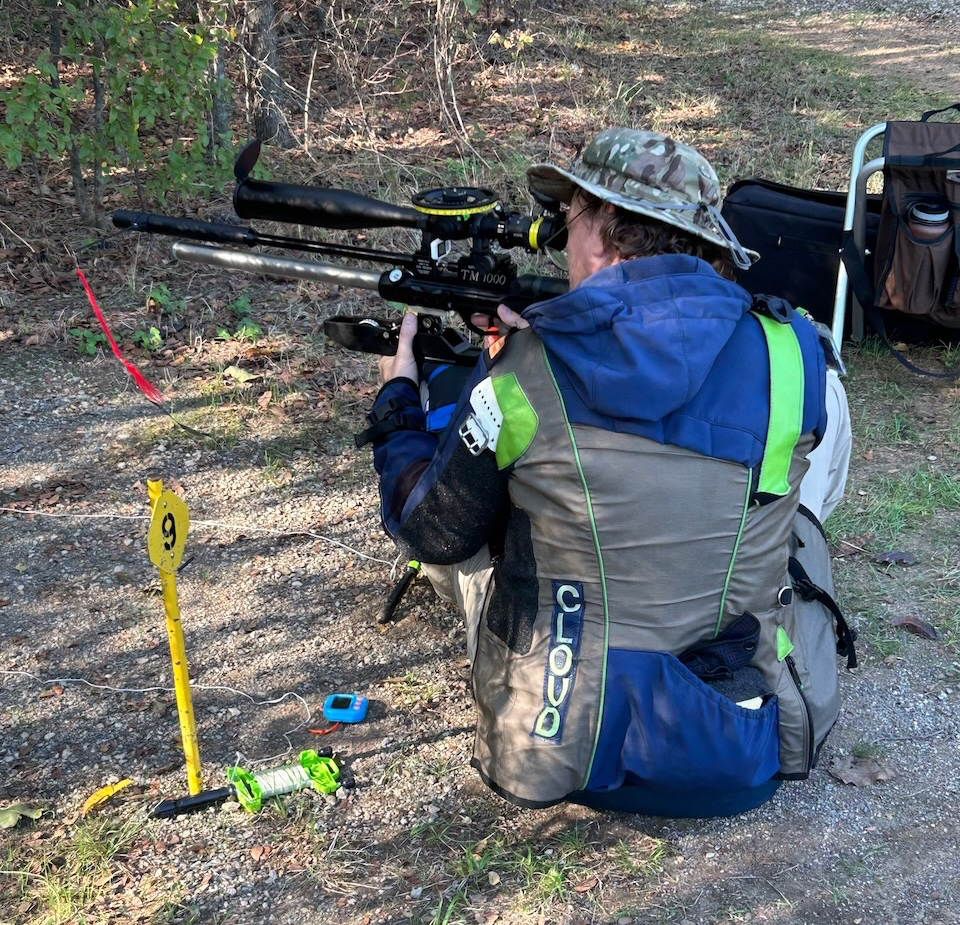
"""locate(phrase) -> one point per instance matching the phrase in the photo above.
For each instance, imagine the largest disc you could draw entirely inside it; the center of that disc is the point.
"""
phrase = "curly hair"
(630, 235)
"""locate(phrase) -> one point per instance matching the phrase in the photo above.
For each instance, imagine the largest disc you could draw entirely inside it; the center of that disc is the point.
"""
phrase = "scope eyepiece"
(551, 232)
(514, 229)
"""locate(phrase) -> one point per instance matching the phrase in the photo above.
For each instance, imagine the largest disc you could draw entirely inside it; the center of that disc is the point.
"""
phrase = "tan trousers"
(464, 584)
(822, 487)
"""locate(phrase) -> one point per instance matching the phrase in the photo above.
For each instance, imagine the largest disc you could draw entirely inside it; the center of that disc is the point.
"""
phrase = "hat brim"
(559, 184)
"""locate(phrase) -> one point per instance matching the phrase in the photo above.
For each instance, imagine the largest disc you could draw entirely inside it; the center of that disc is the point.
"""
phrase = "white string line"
(48, 682)
(35, 513)
(245, 528)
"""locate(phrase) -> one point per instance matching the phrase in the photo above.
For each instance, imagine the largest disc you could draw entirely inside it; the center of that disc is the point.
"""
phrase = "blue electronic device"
(345, 708)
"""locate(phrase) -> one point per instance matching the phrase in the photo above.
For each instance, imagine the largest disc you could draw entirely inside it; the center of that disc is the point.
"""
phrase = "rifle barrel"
(285, 267)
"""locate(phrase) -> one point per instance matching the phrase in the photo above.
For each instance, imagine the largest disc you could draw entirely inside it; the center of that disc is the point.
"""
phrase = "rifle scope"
(448, 213)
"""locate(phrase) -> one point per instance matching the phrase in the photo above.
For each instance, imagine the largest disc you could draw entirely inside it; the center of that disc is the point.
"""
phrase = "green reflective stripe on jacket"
(786, 405)
(784, 644)
(519, 420)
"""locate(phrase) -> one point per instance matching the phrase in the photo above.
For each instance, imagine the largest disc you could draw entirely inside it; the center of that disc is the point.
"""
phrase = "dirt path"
(927, 54)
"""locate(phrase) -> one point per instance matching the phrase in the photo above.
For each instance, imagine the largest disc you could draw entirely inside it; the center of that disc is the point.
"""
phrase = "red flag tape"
(151, 391)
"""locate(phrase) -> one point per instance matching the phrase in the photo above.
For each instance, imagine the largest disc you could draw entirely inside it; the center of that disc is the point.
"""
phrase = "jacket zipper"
(808, 742)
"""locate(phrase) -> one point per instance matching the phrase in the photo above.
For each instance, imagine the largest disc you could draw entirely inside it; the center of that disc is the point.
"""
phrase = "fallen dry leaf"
(259, 851)
(916, 626)
(860, 772)
(895, 557)
(585, 885)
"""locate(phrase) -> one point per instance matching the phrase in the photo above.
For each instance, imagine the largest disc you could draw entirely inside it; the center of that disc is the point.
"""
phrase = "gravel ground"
(290, 565)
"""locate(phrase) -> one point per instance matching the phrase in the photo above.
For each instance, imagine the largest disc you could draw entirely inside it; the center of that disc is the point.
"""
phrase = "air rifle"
(433, 279)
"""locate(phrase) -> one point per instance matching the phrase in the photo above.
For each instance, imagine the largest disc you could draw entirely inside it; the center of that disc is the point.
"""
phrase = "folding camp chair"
(917, 154)
(854, 225)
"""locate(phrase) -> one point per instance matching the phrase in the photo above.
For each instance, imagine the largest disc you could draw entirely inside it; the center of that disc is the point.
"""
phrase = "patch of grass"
(275, 468)
(451, 911)
(180, 913)
(881, 413)
(887, 505)
(887, 645)
(545, 879)
(643, 857)
(413, 689)
(862, 597)
(572, 842)
(862, 865)
(478, 859)
(767, 103)
(395, 767)
(72, 878)
(865, 750)
(941, 600)
(224, 427)
(549, 872)
(431, 833)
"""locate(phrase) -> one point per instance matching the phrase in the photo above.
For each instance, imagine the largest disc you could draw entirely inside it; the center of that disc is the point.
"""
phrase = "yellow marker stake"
(165, 541)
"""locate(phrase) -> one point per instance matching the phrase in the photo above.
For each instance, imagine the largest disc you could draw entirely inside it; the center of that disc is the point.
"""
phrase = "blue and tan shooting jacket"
(619, 460)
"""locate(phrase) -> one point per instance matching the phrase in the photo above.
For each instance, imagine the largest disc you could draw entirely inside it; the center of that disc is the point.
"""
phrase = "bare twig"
(306, 102)
(5, 225)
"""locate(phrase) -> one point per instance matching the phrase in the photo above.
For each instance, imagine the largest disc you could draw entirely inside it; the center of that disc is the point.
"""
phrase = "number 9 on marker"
(168, 532)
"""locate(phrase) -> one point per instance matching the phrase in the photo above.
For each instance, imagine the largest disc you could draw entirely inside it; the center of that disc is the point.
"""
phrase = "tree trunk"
(269, 94)
(88, 211)
(99, 61)
(213, 16)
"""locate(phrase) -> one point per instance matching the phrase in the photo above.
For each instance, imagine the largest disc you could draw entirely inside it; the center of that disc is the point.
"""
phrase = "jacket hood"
(637, 340)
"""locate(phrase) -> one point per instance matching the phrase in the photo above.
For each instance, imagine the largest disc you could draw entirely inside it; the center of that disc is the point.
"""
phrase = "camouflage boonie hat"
(652, 175)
